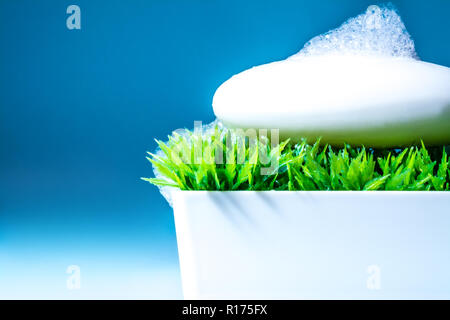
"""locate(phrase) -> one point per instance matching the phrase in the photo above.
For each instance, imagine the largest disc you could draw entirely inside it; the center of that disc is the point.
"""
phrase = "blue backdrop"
(79, 108)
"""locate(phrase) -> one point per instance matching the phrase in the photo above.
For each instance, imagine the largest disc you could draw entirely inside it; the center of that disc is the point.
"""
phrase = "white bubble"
(379, 31)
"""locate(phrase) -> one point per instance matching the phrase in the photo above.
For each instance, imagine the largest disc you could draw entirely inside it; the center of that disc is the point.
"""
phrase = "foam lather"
(361, 83)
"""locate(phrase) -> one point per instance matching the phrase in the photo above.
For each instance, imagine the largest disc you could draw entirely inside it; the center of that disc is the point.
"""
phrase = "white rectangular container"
(313, 244)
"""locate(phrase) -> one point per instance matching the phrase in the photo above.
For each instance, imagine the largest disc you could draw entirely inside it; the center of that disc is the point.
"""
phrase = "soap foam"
(377, 32)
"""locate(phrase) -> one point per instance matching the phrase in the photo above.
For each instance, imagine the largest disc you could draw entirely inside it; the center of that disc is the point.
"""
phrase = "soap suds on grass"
(204, 131)
(377, 32)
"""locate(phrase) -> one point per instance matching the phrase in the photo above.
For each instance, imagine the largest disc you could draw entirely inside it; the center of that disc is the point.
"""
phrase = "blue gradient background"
(79, 108)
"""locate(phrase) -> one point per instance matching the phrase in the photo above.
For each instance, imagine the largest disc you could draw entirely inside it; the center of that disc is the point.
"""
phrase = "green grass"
(299, 166)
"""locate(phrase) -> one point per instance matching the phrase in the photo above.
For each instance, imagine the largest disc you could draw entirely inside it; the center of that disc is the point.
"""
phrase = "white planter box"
(313, 245)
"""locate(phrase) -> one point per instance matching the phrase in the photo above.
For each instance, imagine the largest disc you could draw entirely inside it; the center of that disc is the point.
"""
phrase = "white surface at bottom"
(313, 245)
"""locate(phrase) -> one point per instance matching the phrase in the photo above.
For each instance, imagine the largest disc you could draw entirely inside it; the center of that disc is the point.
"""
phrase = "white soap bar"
(361, 83)
(376, 101)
